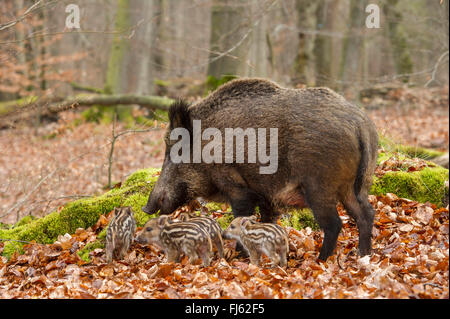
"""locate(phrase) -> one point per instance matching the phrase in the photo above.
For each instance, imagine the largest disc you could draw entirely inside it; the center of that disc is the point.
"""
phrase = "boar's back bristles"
(238, 89)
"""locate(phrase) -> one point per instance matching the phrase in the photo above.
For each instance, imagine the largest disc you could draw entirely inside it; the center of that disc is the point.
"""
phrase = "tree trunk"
(322, 46)
(259, 55)
(353, 44)
(115, 72)
(230, 30)
(142, 57)
(304, 61)
(397, 38)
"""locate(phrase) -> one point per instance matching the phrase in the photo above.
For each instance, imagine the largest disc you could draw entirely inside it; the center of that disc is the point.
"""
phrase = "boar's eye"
(148, 229)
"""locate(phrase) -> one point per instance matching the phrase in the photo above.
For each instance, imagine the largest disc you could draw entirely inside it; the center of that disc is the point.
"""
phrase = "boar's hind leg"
(363, 214)
(326, 215)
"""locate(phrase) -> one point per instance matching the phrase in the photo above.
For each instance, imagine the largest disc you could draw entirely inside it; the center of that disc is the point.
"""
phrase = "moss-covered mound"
(408, 150)
(423, 186)
(83, 213)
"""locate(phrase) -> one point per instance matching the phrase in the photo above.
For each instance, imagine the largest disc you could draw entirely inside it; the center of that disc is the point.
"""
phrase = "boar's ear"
(179, 115)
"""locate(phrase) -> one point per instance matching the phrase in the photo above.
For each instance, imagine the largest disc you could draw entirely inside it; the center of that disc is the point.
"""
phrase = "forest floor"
(409, 260)
(48, 166)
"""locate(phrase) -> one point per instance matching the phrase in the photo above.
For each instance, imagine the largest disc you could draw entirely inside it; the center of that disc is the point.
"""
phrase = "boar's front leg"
(267, 212)
(243, 202)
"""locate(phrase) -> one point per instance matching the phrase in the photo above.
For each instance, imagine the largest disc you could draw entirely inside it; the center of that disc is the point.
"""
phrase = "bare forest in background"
(131, 46)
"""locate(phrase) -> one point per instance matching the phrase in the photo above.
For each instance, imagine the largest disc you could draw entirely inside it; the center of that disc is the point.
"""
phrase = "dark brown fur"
(327, 151)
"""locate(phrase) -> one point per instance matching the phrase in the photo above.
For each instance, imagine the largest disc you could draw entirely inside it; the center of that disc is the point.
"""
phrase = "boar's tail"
(365, 168)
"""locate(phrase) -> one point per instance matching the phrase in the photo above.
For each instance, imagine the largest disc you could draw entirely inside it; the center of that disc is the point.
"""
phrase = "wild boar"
(257, 238)
(120, 233)
(176, 238)
(322, 150)
(211, 226)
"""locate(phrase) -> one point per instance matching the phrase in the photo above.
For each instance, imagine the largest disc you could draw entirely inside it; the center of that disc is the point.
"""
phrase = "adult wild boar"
(325, 149)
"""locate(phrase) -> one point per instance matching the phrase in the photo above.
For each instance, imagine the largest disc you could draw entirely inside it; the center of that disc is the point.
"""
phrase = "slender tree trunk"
(229, 40)
(304, 61)
(145, 63)
(397, 38)
(322, 46)
(353, 44)
(260, 63)
(115, 71)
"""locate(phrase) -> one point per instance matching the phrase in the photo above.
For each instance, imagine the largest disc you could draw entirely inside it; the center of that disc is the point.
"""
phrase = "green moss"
(11, 247)
(300, 219)
(161, 83)
(422, 186)
(225, 220)
(8, 106)
(216, 206)
(137, 201)
(410, 151)
(84, 253)
(142, 176)
(102, 234)
(25, 220)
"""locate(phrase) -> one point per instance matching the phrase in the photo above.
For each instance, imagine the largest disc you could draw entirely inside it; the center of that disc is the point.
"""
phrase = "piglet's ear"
(184, 217)
(163, 220)
(244, 221)
(252, 218)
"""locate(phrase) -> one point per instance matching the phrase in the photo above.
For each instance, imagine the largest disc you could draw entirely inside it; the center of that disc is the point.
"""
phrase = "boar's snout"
(152, 205)
(147, 210)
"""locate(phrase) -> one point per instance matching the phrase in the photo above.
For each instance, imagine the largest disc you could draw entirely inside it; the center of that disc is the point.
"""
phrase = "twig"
(113, 143)
(435, 68)
(338, 261)
(432, 284)
(16, 240)
(19, 19)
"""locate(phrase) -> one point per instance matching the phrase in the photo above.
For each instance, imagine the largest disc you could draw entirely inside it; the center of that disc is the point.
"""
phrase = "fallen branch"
(49, 107)
(86, 88)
